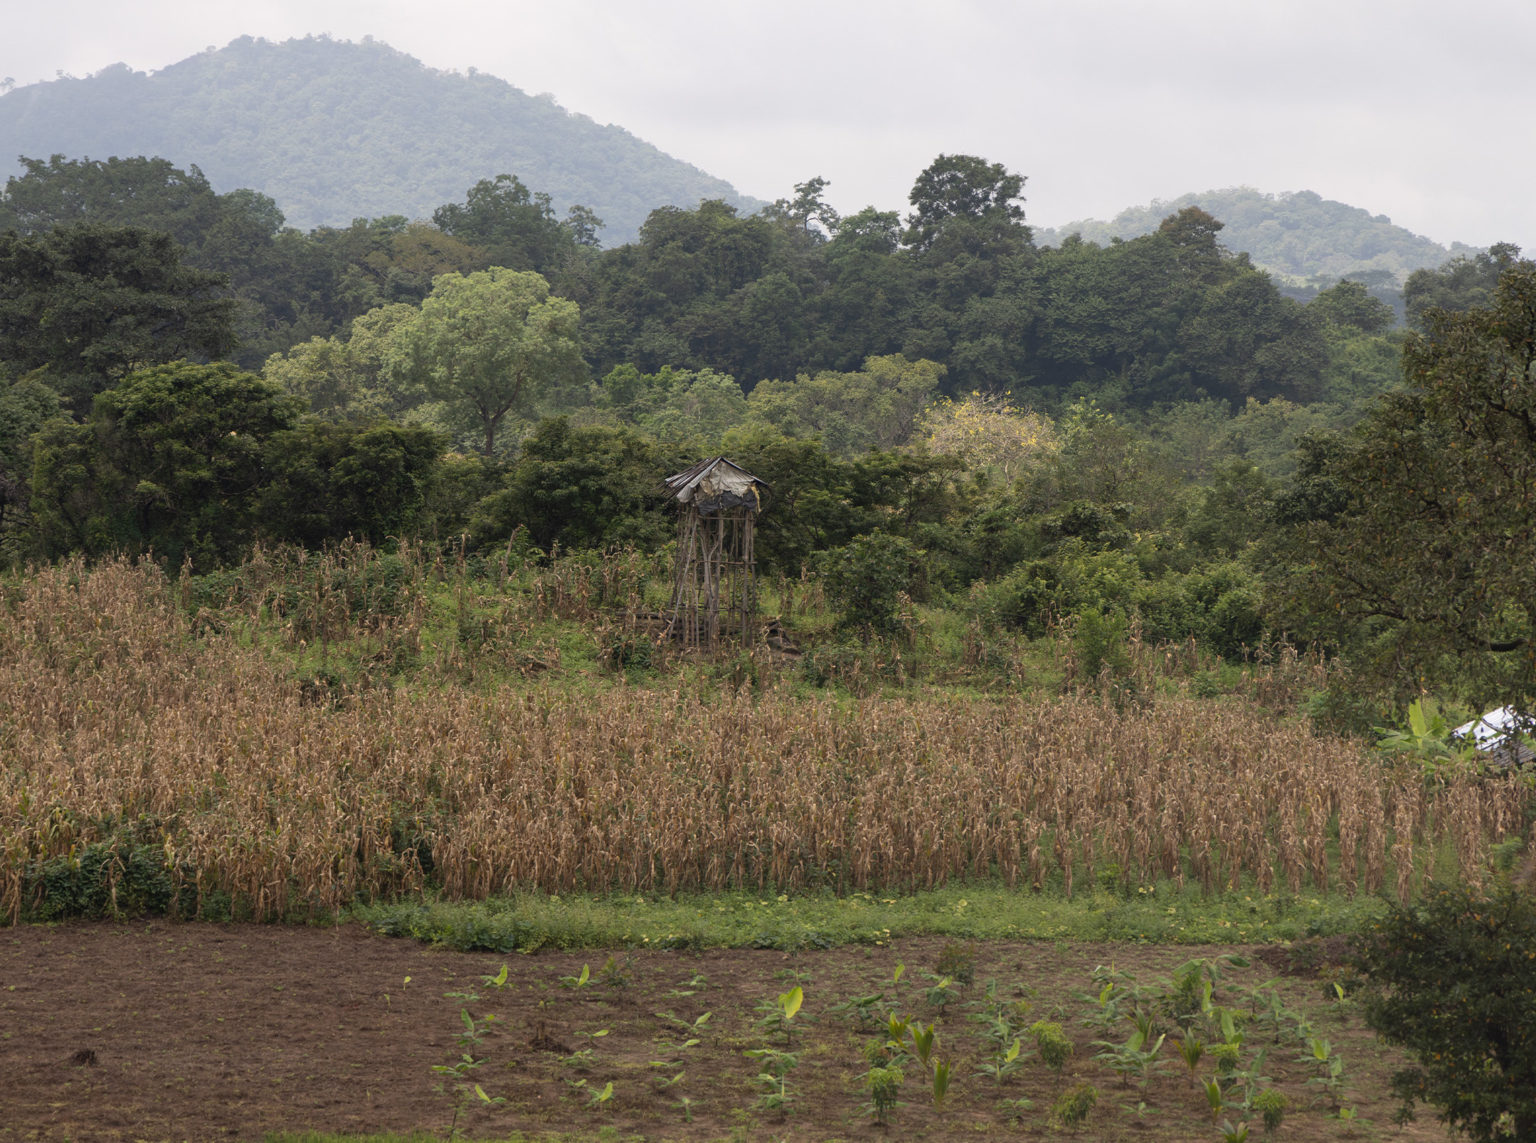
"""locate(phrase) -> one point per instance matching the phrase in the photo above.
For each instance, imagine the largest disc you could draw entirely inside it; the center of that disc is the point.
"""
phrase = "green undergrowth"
(1160, 914)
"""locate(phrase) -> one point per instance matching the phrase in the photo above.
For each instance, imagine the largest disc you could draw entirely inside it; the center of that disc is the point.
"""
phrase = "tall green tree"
(26, 404)
(491, 342)
(90, 303)
(516, 227)
(962, 188)
(1411, 537)
(171, 460)
(326, 481)
(1463, 283)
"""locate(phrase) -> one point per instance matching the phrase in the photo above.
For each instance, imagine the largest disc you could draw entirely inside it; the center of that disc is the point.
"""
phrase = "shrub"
(1453, 980)
(868, 578)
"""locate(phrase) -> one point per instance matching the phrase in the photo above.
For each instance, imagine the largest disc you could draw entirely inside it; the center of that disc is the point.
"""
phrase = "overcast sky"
(1422, 110)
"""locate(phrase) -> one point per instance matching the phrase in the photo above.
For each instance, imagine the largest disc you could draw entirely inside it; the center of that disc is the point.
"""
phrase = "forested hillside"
(333, 131)
(1299, 235)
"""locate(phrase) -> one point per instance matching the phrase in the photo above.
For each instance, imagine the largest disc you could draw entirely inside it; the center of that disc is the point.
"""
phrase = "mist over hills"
(334, 130)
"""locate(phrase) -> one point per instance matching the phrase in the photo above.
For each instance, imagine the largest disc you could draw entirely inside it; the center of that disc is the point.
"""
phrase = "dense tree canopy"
(1414, 532)
(89, 302)
(170, 459)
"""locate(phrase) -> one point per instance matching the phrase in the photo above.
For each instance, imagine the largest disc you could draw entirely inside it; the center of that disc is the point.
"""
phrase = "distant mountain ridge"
(334, 130)
(1296, 235)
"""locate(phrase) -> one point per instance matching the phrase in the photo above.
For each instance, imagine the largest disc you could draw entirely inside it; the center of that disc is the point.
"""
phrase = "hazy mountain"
(1296, 236)
(334, 130)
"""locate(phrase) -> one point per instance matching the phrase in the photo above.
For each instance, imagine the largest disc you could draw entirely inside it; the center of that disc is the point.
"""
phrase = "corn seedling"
(943, 1071)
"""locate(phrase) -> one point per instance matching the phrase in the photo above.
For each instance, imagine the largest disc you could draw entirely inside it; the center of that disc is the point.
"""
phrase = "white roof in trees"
(1501, 733)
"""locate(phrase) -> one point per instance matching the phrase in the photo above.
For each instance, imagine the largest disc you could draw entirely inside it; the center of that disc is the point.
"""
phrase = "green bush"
(871, 578)
(1453, 980)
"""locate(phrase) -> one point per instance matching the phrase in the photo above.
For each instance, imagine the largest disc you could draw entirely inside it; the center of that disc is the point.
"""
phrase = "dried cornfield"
(123, 717)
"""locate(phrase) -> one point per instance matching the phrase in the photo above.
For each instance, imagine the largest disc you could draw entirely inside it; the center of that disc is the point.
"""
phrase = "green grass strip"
(1159, 914)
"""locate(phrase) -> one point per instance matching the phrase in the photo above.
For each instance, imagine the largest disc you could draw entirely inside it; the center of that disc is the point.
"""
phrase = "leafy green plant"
(1191, 1049)
(883, 1086)
(583, 1058)
(580, 981)
(958, 962)
(616, 973)
(775, 1064)
(691, 1029)
(942, 992)
(1014, 1109)
(1215, 1097)
(1051, 1044)
(1427, 740)
(1451, 979)
(689, 987)
(1003, 1065)
(1138, 1056)
(1272, 1105)
(1328, 1068)
(870, 1010)
(466, 1091)
(943, 1071)
(778, 1014)
(1233, 1132)
(1072, 1107)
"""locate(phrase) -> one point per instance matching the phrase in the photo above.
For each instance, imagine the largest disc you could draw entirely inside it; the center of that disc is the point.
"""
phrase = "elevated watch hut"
(714, 585)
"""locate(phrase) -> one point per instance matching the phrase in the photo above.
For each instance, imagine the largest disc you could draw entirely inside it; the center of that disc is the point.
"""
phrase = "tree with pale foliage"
(988, 434)
(851, 413)
(491, 342)
(344, 379)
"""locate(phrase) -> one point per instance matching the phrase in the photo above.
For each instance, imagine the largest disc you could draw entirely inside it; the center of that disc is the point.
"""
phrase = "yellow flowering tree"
(988, 434)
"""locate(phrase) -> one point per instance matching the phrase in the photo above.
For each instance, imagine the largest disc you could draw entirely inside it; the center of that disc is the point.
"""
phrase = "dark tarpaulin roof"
(716, 484)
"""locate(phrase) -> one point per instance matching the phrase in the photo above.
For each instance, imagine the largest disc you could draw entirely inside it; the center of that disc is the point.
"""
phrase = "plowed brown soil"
(160, 1031)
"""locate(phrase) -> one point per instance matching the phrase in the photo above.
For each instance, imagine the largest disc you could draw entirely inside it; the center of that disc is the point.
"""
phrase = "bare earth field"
(158, 1031)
